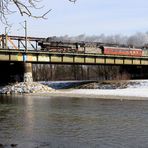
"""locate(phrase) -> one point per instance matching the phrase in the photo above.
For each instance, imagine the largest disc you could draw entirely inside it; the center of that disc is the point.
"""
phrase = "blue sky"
(89, 17)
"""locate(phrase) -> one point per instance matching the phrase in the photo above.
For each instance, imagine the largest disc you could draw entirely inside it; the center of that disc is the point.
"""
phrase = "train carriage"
(121, 51)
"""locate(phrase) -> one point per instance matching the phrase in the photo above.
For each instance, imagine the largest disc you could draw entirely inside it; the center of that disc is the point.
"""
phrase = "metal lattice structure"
(19, 42)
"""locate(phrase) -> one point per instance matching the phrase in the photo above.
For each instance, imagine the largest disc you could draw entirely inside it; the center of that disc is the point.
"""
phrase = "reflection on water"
(44, 122)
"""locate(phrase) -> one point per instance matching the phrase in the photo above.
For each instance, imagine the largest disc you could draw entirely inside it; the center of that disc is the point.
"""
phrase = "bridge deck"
(68, 58)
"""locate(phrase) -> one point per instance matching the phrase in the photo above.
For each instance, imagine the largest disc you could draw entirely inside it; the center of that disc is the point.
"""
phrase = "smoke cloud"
(138, 39)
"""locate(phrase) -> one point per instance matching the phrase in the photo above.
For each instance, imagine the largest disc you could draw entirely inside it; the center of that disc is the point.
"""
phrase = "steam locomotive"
(90, 48)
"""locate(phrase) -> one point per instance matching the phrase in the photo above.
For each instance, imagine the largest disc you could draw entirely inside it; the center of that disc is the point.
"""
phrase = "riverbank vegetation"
(79, 72)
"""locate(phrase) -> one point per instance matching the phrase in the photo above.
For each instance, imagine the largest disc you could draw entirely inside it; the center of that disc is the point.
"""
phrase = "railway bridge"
(19, 50)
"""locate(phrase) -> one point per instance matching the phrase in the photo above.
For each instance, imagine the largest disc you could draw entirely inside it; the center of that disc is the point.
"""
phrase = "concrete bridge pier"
(27, 72)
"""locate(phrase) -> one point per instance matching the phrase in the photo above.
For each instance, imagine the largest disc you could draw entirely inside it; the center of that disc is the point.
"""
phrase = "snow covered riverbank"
(95, 94)
(132, 90)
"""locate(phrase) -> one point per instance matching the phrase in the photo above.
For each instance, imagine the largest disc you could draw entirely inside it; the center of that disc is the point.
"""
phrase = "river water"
(55, 122)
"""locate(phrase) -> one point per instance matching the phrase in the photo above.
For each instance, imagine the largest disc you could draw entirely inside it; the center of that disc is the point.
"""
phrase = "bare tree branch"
(23, 7)
(73, 1)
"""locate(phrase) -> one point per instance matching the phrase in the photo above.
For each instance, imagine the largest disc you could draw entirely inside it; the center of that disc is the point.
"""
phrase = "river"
(58, 122)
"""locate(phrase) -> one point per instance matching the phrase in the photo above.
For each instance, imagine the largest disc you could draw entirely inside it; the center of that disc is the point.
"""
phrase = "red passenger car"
(121, 51)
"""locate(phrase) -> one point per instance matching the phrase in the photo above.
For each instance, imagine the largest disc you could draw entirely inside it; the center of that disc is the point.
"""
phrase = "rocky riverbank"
(111, 84)
(25, 87)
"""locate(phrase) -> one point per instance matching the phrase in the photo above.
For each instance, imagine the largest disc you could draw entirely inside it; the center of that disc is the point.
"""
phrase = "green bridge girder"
(68, 58)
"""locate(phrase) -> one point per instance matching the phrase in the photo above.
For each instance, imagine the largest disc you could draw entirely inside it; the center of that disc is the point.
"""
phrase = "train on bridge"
(90, 48)
(54, 44)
